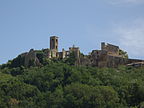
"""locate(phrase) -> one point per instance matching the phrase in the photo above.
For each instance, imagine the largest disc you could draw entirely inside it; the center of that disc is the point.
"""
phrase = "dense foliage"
(60, 85)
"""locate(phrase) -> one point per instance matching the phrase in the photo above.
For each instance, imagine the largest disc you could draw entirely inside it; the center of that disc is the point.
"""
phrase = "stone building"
(108, 56)
(111, 49)
(53, 46)
(54, 53)
(76, 51)
(30, 58)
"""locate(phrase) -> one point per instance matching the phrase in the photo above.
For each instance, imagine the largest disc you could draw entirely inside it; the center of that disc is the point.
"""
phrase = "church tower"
(54, 46)
(54, 43)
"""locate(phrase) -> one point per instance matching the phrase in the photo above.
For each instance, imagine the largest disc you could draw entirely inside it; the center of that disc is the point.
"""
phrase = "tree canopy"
(59, 84)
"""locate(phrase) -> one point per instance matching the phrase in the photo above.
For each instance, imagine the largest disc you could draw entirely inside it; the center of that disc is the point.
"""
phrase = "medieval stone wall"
(108, 56)
(113, 61)
(111, 49)
(30, 57)
(134, 61)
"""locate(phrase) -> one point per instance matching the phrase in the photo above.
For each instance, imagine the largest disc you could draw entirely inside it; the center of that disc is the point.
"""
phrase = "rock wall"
(31, 59)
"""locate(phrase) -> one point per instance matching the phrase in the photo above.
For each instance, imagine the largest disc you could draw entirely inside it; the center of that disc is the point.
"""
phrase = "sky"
(26, 24)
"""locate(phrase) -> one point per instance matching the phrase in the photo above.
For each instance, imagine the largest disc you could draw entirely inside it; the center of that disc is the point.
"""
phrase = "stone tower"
(54, 43)
(103, 46)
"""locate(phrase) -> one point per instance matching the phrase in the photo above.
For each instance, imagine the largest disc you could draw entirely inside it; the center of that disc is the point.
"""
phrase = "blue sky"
(26, 24)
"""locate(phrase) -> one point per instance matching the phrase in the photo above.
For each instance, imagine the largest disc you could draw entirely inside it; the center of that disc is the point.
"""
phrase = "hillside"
(60, 84)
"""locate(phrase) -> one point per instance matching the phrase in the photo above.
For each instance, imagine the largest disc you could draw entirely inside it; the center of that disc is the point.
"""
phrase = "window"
(52, 40)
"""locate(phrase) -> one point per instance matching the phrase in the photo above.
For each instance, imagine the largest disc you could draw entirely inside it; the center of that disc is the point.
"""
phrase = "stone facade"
(30, 58)
(53, 46)
(76, 51)
(111, 49)
(54, 43)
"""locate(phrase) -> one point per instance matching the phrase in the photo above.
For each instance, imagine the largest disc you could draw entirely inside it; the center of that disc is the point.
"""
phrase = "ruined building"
(54, 53)
(53, 47)
(108, 56)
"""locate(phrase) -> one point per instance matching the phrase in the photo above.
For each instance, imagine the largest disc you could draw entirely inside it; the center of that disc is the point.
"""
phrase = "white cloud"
(126, 1)
(131, 38)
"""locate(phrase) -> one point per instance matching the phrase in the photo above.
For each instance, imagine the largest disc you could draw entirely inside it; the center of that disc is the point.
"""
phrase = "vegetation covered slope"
(61, 85)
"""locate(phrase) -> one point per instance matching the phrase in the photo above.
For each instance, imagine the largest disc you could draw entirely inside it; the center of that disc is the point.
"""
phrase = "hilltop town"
(108, 56)
(50, 78)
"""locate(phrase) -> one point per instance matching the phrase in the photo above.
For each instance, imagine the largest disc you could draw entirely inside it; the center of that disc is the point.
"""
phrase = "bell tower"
(54, 43)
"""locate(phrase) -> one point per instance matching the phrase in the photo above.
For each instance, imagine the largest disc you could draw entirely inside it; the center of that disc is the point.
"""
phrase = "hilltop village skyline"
(62, 52)
(108, 56)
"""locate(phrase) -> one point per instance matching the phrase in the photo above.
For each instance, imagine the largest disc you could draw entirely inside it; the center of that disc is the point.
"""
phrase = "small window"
(53, 40)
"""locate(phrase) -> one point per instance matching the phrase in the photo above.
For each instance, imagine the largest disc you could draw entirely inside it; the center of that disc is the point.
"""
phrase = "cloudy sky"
(26, 24)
